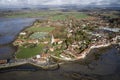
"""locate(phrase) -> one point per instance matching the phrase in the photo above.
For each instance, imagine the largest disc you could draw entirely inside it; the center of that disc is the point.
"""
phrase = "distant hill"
(64, 7)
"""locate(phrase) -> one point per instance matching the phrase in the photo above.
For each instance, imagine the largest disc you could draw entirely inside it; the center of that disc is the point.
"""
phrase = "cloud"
(55, 2)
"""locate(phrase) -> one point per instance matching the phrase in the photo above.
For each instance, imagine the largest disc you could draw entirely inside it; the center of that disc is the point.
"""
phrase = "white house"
(38, 56)
(23, 33)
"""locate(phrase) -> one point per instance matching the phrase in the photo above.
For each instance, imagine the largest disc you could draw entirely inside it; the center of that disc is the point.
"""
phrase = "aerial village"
(49, 41)
(68, 40)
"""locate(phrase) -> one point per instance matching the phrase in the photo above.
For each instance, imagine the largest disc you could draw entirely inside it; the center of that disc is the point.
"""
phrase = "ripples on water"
(6, 52)
(9, 29)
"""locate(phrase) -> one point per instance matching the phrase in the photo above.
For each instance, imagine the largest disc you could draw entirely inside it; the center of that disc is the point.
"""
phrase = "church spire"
(52, 39)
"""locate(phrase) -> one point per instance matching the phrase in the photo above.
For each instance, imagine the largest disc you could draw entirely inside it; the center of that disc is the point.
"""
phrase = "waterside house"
(33, 41)
(41, 58)
(19, 42)
(22, 33)
(3, 61)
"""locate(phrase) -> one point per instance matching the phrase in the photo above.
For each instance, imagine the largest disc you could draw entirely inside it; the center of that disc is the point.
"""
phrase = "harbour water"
(9, 29)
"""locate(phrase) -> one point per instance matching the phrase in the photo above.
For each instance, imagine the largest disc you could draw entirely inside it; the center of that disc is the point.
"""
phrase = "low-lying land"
(41, 33)
(53, 15)
(63, 37)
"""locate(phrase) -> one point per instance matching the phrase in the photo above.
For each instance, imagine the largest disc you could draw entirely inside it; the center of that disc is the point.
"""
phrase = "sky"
(56, 2)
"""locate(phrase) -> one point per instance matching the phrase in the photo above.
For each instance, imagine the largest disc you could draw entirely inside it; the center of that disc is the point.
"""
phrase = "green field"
(63, 16)
(29, 52)
(53, 15)
(40, 29)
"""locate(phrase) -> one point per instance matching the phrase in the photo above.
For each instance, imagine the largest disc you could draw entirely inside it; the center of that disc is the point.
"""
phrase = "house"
(41, 61)
(42, 58)
(66, 57)
(38, 56)
(51, 49)
(45, 42)
(69, 35)
(19, 42)
(23, 33)
(45, 55)
(60, 42)
(3, 61)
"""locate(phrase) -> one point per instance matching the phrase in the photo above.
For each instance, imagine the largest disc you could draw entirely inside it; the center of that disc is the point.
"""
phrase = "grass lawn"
(80, 15)
(59, 17)
(29, 52)
(40, 29)
(65, 15)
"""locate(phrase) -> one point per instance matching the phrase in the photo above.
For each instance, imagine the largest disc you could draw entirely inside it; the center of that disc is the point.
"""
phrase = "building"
(23, 33)
(55, 41)
(3, 61)
(33, 41)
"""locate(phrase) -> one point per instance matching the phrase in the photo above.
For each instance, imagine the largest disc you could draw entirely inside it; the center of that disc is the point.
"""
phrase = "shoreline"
(54, 66)
(83, 55)
(96, 47)
(16, 36)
